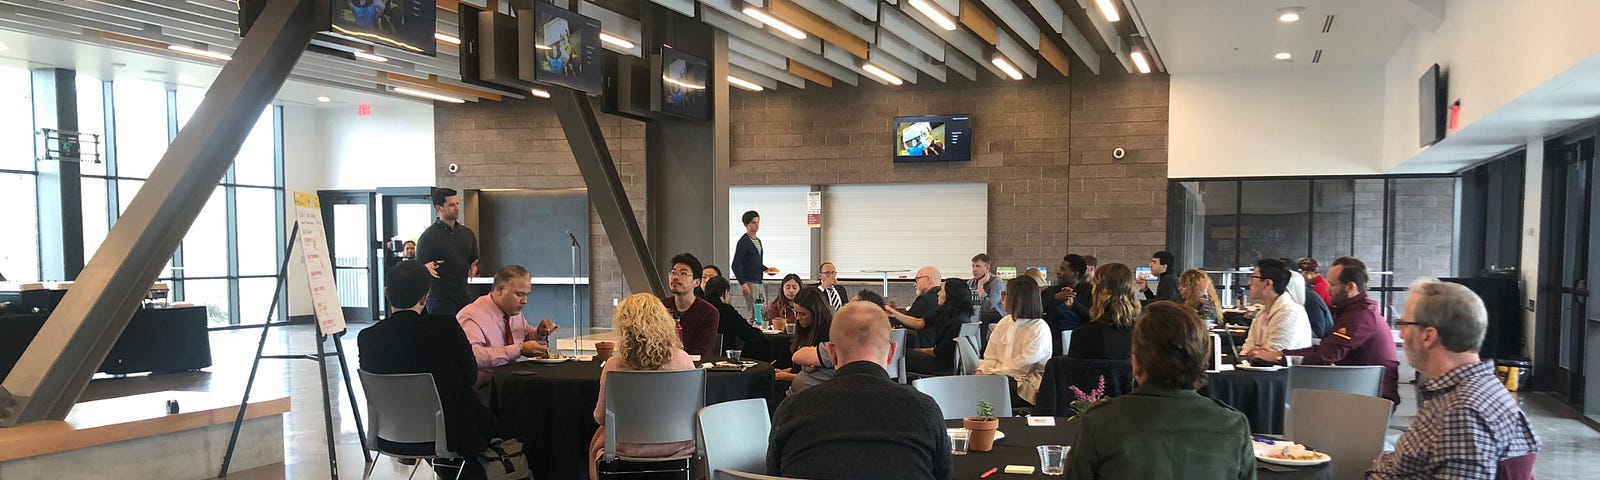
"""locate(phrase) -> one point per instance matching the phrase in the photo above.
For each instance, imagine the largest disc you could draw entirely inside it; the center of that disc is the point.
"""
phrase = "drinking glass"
(735, 356)
(1293, 360)
(1053, 459)
(958, 441)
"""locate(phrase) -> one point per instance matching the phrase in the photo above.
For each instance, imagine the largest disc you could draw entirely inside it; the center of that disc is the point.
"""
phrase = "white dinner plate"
(1321, 459)
(550, 360)
(999, 434)
(1253, 368)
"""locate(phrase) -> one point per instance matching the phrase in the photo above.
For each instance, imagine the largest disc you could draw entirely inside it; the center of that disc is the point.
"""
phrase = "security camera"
(455, 168)
(1117, 154)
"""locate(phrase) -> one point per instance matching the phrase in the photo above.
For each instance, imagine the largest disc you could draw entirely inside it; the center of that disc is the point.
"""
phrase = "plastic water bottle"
(760, 322)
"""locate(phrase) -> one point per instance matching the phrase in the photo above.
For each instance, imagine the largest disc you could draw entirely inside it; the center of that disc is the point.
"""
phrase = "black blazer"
(748, 262)
(1166, 289)
(738, 333)
(1100, 340)
(408, 342)
(844, 296)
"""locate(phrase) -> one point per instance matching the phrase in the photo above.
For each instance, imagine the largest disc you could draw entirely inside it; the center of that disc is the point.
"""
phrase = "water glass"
(1053, 459)
(958, 441)
(735, 356)
(788, 328)
(1293, 360)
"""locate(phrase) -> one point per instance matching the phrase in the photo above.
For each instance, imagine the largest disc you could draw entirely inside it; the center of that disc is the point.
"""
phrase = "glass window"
(16, 127)
(213, 294)
(254, 165)
(1422, 217)
(255, 295)
(19, 261)
(258, 234)
(205, 247)
(92, 120)
(188, 101)
(1274, 219)
(1206, 234)
(1333, 205)
(141, 118)
(126, 189)
(95, 220)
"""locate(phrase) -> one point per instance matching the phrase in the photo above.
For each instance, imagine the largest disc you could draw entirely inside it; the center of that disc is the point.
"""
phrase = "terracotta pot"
(602, 350)
(981, 436)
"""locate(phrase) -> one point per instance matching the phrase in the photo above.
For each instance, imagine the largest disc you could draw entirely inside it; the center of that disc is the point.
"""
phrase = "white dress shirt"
(1280, 326)
(1018, 349)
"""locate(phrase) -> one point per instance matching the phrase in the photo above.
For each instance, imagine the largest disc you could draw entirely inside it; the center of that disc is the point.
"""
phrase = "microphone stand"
(575, 335)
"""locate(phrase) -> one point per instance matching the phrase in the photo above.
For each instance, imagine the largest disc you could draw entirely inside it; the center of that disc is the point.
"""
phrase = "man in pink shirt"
(495, 327)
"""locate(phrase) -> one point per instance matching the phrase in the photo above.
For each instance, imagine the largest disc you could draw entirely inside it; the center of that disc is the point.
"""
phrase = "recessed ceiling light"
(883, 74)
(370, 57)
(539, 92)
(933, 13)
(1006, 66)
(620, 42)
(1290, 14)
(769, 20)
(1139, 62)
(745, 84)
(1108, 9)
(324, 99)
(198, 52)
(1283, 56)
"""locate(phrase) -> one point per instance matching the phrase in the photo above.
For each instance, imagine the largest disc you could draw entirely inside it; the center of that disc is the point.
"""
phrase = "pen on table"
(990, 472)
(1262, 439)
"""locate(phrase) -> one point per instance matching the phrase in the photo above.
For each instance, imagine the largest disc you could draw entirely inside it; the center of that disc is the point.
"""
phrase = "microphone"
(573, 237)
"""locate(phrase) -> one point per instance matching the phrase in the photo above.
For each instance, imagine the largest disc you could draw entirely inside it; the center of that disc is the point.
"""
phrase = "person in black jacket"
(409, 341)
(737, 333)
(1066, 304)
(1109, 336)
(749, 260)
(1163, 266)
(955, 308)
(829, 276)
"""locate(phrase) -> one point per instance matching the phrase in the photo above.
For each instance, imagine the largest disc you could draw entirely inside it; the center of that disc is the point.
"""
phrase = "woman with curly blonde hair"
(649, 341)
(1198, 293)
(1109, 333)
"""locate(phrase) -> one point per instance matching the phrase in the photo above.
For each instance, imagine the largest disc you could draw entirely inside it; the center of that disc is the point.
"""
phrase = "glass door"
(349, 218)
(406, 212)
(1567, 270)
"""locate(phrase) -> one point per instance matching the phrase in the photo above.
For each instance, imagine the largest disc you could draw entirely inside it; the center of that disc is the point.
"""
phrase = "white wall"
(302, 172)
(1295, 121)
(392, 147)
(1492, 52)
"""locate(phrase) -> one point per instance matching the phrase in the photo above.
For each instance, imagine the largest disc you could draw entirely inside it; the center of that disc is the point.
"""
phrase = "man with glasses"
(928, 284)
(496, 328)
(1360, 336)
(697, 319)
(1282, 323)
(831, 290)
(1467, 425)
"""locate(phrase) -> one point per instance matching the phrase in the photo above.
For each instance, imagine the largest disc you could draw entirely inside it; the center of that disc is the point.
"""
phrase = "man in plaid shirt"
(1467, 424)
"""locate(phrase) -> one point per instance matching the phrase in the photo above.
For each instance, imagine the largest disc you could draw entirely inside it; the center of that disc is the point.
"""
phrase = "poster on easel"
(319, 265)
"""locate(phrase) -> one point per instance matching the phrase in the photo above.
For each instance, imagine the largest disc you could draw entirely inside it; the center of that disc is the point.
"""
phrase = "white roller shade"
(904, 226)
(785, 238)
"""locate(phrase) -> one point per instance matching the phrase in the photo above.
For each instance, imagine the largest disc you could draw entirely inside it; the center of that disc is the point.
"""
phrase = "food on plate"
(1293, 452)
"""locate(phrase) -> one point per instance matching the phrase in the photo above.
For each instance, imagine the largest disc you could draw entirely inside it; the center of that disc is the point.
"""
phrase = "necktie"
(833, 298)
(508, 329)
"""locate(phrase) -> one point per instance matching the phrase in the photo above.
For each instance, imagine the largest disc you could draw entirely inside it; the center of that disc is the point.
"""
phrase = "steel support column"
(60, 190)
(75, 340)
(605, 190)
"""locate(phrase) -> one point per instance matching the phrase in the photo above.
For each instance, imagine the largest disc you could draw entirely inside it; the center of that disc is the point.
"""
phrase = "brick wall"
(1043, 145)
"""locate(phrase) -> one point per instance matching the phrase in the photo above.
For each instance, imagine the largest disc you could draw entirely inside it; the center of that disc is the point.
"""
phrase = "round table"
(886, 273)
(550, 408)
(1019, 448)
(1259, 395)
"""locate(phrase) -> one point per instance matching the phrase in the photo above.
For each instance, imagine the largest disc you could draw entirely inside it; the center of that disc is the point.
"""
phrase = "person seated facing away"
(408, 341)
(1020, 344)
(649, 342)
(832, 291)
(1282, 324)
(696, 318)
(1162, 266)
(915, 319)
(1360, 335)
(1467, 425)
(869, 296)
(1164, 429)
(1109, 333)
(860, 425)
(955, 308)
(1317, 314)
(812, 365)
(780, 311)
(1308, 268)
(737, 333)
(1199, 293)
(495, 327)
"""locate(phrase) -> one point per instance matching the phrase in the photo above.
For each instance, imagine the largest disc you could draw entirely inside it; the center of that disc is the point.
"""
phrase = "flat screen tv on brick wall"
(936, 138)
(563, 48)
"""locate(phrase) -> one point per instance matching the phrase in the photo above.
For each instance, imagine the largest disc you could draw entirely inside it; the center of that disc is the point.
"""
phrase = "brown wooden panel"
(976, 21)
(449, 5)
(433, 82)
(1053, 54)
(126, 418)
(803, 19)
(812, 74)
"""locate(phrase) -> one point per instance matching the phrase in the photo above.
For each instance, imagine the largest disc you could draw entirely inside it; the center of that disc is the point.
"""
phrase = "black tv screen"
(938, 138)
(565, 48)
(404, 24)
(1430, 99)
(684, 79)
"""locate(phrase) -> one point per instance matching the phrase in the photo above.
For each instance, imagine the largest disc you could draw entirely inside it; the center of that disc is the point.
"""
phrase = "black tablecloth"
(552, 410)
(1260, 395)
(1019, 448)
(780, 349)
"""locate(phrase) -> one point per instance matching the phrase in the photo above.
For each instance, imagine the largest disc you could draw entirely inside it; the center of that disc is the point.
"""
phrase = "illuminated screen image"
(918, 139)
(404, 24)
(933, 138)
(683, 84)
(566, 48)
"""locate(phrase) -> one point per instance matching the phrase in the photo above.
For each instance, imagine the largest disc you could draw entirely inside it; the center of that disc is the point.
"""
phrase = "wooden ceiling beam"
(433, 82)
(976, 21)
(812, 74)
(1052, 54)
(805, 20)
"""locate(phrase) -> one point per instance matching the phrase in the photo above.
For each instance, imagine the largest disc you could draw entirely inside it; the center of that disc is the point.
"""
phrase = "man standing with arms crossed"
(450, 252)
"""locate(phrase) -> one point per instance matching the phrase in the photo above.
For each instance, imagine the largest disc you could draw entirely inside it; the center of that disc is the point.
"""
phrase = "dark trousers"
(438, 305)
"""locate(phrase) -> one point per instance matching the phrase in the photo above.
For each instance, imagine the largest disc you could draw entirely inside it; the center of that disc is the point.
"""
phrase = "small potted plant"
(982, 427)
(1086, 401)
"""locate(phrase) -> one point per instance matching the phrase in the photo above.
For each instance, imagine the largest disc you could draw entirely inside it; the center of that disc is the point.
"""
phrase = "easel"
(321, 357)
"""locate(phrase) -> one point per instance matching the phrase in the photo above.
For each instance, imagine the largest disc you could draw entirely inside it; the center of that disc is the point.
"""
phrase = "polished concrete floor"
(1570, 447)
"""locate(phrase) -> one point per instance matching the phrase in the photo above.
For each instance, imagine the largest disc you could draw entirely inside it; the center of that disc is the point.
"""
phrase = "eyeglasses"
(920, 277)
(830, 273)
(1258, 277)
(1415, 324)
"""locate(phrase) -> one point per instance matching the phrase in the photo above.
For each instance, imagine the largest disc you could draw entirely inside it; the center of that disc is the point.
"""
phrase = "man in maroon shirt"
(1360, 335)
(697, 319)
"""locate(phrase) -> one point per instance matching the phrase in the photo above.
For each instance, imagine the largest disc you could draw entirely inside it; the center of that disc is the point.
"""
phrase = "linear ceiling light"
(773, 22)
(933, 13)
(540, 92)
(745, 84)
(1139, 61)
(1006, 66)
(1109, 10)
(443, 37)
(1290, 14)
(620, 42)
(881, 73)
(200, 52)
(370, 57)
(427, 95)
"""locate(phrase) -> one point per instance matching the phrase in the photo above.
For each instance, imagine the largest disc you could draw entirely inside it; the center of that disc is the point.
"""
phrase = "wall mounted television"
(935, 138)
(404, 24)
(683, 84)
(1431, 93)
(560, 47)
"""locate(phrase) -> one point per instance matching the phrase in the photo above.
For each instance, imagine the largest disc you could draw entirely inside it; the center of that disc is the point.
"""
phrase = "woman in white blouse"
(1020, 344)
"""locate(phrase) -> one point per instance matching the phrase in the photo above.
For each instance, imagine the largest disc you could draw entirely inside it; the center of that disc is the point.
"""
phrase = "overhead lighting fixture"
(745, 84)
(769, 20)
(450, 39)
(370, 57)
(1283, 56)
(620, 42)
(1290, 14)
(200, 52)
(1006, 66)
(540, 92)
(324, 99)
(933, 13)
(427, 95)
(1108, 9)
(881, 73)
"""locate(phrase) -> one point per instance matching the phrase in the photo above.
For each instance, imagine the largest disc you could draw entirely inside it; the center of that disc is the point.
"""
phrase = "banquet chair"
(958, 396)
(967, 354)
(1360, 380)
(651, 407)
(734, 435)
(897, 366)
(726, 474)
(1346, 426)
(405, 419)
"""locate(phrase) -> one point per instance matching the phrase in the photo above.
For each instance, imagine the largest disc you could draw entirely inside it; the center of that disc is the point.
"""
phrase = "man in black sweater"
(847, 427)
(409, 341)
(1163, 266)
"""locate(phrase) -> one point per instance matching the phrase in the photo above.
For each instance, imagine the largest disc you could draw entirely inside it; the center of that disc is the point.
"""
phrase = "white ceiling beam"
(867, 9)
(927, 37)
(756, 78)
(740, 45)
(766, 40)
(733, 9)
(905, 52)
(1108, 34)
(1149, 43)
(684, 7)
(1051, 12)
(892, 65)
(839, 58)
(618, 25)
(1016, 20)
(840, 16)
(961, 65)
(753, 65)
(1018, 54)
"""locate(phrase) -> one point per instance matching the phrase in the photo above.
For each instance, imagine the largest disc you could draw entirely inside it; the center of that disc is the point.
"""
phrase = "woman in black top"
(812, 319)
(737, 333)
(955, 308)
(1109, 335)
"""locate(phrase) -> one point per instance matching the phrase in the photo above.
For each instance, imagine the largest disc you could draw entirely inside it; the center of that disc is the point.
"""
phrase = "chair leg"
(414, 469)
(370, 465)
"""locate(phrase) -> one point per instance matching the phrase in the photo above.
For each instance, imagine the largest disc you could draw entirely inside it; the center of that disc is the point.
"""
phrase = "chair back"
(1349, 427)
(404, 408)
(967, 350)
(1061, 373)
(734, 435)
(958, 396)
(726, 474)
(1360, 380)
(722, 348)
(652, 406)
(897, 366)
(1516, 468)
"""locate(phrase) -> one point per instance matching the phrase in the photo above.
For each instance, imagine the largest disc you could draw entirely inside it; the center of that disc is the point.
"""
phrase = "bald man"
(928, 284)
(847, 426)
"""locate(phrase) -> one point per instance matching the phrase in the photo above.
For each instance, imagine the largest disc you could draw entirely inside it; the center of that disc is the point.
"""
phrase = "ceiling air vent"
(1317, 57)
(1327, 24)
